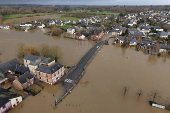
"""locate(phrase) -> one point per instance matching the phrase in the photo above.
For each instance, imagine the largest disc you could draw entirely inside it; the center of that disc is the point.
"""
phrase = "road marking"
(68, 80)
(97, 47)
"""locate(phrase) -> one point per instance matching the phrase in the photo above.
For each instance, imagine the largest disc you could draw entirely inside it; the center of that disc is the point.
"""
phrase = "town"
(147, 31)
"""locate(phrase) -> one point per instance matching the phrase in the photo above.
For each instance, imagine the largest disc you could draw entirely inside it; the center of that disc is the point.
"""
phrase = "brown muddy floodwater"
(72, 50)
(110, 70)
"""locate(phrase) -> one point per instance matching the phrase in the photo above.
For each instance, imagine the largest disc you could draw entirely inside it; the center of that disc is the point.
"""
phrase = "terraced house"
(50, 74)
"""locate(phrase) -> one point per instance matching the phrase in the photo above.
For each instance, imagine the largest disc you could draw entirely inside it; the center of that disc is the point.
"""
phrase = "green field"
(65, 26)
(100, 13)
(8, 17)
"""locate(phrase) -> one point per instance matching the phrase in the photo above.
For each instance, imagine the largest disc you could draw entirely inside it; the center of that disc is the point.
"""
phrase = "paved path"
(81, 64)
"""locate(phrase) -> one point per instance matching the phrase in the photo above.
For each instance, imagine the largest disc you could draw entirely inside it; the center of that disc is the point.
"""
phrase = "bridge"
(74, 76)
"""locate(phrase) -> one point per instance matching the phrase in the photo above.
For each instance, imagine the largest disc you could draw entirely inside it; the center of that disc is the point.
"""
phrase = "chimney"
(16, 77)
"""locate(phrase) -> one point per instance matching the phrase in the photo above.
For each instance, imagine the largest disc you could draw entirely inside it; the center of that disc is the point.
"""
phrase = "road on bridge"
(81, 64)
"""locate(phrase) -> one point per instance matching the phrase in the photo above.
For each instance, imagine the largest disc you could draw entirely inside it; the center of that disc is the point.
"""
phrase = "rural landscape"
(84, 58)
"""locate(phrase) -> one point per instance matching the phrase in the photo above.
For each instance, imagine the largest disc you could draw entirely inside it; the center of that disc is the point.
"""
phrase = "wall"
(8, 106)
(51, 78)
(14, 101)
(32, 69)
(17, 85)
(26, 63)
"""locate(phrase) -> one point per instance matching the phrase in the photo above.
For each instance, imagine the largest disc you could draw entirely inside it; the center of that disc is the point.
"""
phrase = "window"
(47, 80)
(26, 60)
(58, 72)
(39, 73)
(4, 106)
(46, 75)
(40, 77)
(16, 99)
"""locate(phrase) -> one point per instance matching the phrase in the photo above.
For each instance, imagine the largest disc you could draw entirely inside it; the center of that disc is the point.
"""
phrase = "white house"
(159, 29)
(163, 48)
(13, 97)
(51, 22)
(41, 26)
(133, 42)
(4, 27)
(162, 34)
(28, 24)
(82, 37)
(70, 30)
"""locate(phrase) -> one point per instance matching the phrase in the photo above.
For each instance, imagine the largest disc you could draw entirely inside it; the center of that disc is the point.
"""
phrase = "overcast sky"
(88, 2)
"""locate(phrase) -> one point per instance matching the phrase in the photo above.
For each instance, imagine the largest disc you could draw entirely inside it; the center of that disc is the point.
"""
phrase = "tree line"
(30, 9)
(43, 50)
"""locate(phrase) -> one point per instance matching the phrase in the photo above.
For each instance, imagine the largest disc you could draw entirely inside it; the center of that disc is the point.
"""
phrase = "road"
(81, 64)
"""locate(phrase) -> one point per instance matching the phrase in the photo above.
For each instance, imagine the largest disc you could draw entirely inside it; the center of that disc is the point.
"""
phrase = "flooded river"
(110, 70)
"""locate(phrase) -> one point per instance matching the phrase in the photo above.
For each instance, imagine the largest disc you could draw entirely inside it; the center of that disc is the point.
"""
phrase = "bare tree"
(125, 89)
(155, 95)
(139, 93)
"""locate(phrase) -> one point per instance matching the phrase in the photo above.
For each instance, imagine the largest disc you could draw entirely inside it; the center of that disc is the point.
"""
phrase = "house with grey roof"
(131, 31)
(29, 58)
(3, 80)
(4, 68)
(18, 69)
(66, 21)
(50, 74)
(59, 23)
(23, 81)
(133, 42)
(163, 48)
(70, 30)
(115, 32)
(162, 34)
(5, 105)
(14, 98)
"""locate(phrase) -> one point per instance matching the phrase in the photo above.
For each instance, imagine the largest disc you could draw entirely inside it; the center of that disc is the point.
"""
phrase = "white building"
(70, 30)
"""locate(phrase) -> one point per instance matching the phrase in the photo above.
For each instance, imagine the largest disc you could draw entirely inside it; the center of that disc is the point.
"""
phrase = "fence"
(25, 96)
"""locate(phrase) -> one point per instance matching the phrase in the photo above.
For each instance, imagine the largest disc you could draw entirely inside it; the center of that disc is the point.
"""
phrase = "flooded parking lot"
(110, 70)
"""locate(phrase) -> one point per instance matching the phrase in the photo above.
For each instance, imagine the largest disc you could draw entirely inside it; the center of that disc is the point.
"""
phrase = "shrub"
(159, 54)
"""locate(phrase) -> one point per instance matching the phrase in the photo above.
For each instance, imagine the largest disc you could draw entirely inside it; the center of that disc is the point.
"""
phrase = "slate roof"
(122, 28)
(30, 57)
(5, 66)
(3, 101)
(21, 69)
(47, 60)
(121, 38)
(164, 46)
(138, 34)
(162, 33)
(5, 93)
(145, 42)
(1, 75)
(18, 68)
(51, 69)
(23, 78)
(134, 40)
(37, 61)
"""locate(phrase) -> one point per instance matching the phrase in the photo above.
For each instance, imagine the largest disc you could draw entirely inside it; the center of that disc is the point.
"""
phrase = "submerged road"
(81, 64)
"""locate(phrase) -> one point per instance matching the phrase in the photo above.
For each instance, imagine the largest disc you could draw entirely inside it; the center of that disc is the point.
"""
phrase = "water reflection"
(152, 59)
